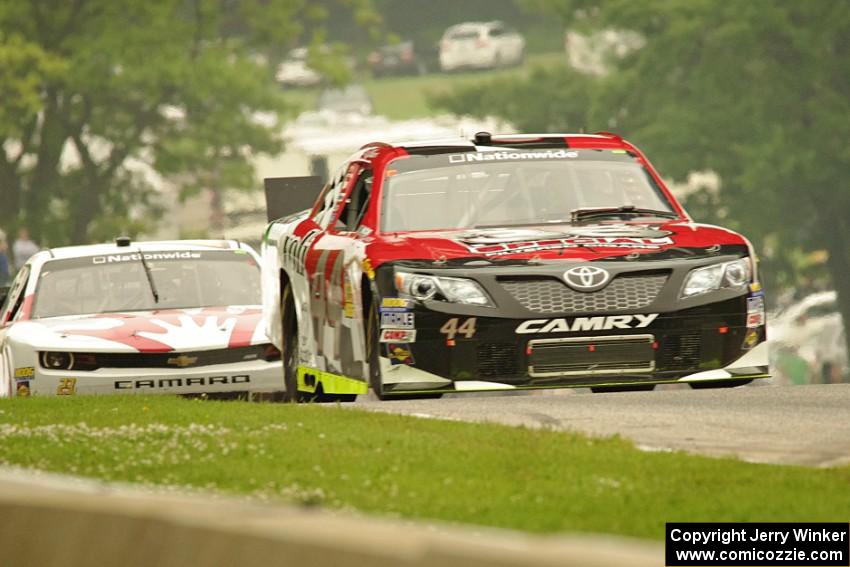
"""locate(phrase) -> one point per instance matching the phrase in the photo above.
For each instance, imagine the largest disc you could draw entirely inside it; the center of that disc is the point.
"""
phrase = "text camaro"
(504, 263)
(154, 317)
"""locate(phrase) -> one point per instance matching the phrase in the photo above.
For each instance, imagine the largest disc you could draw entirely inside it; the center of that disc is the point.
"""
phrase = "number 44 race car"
(503, 263)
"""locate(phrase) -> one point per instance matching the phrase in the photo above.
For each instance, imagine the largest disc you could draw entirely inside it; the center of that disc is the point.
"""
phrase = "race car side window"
(331, 197)
(16, 297)
(357, 203)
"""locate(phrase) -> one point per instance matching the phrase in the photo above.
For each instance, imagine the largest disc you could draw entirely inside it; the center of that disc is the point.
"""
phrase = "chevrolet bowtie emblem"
(183, 361)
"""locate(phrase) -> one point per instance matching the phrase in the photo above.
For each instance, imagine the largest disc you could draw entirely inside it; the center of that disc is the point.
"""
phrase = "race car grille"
(680, 351)
(550, 295)
(588, 356)
(176, 360)
(497, 360)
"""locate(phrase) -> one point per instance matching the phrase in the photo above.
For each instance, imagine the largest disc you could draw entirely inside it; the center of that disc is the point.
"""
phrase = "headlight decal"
(734, 274)
(454, 290)
(57, 360)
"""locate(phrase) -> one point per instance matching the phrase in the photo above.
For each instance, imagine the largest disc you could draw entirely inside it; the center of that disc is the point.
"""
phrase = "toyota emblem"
(586, 278)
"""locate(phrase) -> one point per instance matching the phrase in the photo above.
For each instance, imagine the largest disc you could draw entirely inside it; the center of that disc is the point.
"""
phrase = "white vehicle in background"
(180, 317)
(295, 72)
(480, 45)
(813, 330)
(805, 318)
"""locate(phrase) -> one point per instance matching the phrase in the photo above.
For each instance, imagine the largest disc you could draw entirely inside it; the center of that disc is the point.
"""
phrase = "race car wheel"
(290, 359)
(289, 353)
(635, 388)
(720, 384)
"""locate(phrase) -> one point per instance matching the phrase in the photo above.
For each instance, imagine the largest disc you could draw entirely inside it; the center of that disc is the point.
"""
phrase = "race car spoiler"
(287, 195)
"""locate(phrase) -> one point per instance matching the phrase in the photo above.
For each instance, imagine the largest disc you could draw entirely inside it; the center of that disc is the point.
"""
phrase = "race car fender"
(18, 368)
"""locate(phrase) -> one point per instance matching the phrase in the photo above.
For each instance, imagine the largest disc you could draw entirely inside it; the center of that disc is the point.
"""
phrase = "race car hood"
(586, 241)
(205, 328)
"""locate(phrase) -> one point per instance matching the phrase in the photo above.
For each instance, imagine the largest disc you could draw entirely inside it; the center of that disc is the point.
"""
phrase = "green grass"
(401, 98)
(535, 480)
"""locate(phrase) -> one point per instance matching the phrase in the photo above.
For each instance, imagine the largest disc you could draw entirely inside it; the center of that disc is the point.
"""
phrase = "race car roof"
(602, 140)
(99, 249)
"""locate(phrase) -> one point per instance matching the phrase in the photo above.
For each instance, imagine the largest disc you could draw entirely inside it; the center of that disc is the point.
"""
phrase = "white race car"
(154, 317)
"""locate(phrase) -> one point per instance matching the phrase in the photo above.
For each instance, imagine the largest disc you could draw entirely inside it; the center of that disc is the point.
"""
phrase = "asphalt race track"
(804, 425)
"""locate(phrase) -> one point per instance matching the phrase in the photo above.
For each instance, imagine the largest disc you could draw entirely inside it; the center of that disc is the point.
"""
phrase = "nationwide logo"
(468, 157)
(601, 323)
(135, 257)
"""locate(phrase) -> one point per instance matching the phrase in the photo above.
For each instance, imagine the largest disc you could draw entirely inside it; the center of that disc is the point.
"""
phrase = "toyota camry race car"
(154, 317)
(502, 263)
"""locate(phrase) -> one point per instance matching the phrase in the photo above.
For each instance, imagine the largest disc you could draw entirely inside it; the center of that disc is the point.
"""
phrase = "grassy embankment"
(535, 480)
(401, 98)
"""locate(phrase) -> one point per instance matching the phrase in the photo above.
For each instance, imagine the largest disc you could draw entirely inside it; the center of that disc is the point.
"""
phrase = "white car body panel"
(163, 332)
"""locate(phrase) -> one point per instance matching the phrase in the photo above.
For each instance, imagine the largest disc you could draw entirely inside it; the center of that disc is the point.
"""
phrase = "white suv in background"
(480, 45)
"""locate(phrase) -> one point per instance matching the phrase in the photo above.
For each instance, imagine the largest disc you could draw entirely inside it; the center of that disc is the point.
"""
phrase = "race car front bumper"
(450, 347)
(249, 376)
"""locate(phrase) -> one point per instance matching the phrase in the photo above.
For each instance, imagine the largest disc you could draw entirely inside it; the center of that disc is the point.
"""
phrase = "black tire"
(289, 340)
(709, 385)
(634, 388)
(373, 349)
(289, 356)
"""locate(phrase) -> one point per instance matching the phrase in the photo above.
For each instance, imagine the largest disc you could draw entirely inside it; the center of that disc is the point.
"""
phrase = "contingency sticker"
(23, 388)
(394, 320)
(391, 304)
(24, 373)
(755, 311)
(400, 354)
(398, 336)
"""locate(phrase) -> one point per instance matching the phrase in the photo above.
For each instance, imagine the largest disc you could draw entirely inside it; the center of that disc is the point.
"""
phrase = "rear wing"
(288, 195)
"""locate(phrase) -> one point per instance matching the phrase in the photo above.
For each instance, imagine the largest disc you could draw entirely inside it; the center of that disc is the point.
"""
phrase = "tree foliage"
(100, 97)
(756, 91)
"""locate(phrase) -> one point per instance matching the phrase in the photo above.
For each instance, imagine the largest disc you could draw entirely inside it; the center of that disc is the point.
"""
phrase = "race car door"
(331, 294)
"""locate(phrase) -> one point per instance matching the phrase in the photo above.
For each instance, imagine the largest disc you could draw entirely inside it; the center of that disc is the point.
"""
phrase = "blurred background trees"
(98, 97)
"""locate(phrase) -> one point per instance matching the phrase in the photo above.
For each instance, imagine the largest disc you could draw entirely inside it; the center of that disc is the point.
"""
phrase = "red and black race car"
(502, 263)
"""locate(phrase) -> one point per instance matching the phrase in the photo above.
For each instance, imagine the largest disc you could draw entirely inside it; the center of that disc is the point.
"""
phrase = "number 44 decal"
(451, 328)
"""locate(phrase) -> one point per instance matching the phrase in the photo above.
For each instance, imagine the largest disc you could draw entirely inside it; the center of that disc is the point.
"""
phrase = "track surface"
(804, 425)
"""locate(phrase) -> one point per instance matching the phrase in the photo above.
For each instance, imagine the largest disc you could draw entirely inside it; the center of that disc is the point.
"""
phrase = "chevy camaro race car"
(502, 263)
(154, 317)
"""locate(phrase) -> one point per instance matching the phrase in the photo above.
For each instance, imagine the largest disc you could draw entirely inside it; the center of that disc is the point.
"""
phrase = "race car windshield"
(118, 283)
(509, 187)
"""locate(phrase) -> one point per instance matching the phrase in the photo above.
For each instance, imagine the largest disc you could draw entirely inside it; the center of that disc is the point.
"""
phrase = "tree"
(756, 91)
(95, 95)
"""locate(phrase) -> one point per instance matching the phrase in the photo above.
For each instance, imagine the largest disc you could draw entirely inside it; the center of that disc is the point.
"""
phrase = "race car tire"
(373, 349)
(289, 340)
(289, 354)
(635, 388)
(720, 384)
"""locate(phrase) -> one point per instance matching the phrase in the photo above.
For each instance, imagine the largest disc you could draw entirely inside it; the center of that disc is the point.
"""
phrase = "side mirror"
(4, 293)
